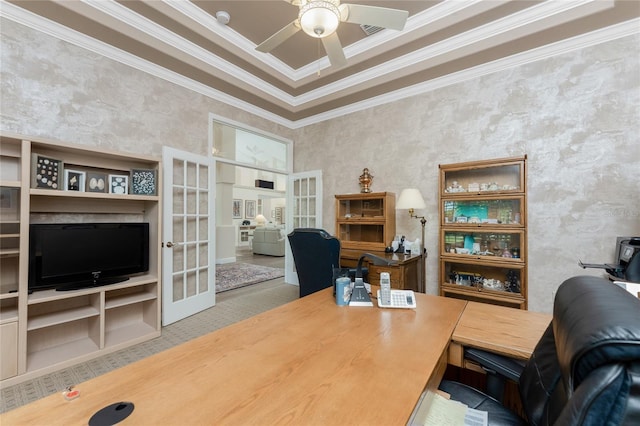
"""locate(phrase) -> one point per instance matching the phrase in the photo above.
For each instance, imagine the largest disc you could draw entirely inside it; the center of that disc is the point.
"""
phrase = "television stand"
(79, 285)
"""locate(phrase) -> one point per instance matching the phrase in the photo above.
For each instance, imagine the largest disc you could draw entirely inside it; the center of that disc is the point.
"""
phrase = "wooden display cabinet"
(483, 231)
(48, 330)
(366, 221)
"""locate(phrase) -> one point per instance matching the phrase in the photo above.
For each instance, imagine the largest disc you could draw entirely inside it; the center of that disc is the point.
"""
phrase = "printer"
(627, 266)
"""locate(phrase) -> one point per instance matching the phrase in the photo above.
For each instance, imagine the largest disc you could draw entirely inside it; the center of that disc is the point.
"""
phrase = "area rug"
(236, 275)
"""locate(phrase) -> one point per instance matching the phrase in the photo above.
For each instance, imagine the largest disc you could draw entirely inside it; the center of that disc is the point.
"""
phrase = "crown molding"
(625, 29)
(58, 31)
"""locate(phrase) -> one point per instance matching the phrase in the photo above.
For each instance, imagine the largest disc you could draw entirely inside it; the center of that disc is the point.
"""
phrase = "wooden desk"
(306, 362)
(405, 274)
(498, 329)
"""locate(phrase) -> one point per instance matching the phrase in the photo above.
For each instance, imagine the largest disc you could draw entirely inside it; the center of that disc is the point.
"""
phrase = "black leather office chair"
(585, 370)
(316, 253)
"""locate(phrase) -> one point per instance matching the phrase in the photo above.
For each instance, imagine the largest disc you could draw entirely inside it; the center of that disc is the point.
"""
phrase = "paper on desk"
(446, 412)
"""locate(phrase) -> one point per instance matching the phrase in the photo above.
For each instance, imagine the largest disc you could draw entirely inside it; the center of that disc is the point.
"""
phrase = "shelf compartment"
(132, 321)
(129, 296)
(9, 309)
(63, 311)
(483, 212)
(495, 245)
(505, 175)
(484, 297)
(505, 280)
(67, 347)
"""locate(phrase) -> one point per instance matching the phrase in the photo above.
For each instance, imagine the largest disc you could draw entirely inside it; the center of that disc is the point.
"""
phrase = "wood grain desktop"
(306, 362)
(506, 331)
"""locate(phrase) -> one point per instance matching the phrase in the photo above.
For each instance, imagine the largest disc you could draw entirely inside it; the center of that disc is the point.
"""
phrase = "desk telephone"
(388, 298)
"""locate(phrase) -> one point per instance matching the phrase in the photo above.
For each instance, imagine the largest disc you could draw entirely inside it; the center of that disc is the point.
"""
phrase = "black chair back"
(315, 253)
(586, 367)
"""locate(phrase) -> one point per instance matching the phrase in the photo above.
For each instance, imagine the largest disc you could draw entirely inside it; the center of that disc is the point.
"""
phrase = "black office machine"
(627, 266)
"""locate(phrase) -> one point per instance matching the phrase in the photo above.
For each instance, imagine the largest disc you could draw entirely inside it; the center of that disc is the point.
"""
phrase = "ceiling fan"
(320, 19)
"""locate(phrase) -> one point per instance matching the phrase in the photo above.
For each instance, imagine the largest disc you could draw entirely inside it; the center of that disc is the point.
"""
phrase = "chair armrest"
(509, 368)
(499, 368)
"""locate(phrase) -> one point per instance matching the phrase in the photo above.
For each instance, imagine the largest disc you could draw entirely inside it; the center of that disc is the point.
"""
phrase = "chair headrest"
(595, 323)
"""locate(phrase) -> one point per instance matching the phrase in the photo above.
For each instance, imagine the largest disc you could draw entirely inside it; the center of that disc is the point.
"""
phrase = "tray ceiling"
(295, 84)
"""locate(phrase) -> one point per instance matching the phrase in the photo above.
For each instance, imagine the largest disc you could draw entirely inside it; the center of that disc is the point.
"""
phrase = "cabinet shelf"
(9, 252)
(483, 233)
(366, 221)
(8, 315)
(61, 353)
(56, 318)
(90, 195)
(130, 332)
(129, 299)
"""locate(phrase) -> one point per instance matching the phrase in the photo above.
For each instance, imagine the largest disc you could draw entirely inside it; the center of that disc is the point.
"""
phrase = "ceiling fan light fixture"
(320, 18)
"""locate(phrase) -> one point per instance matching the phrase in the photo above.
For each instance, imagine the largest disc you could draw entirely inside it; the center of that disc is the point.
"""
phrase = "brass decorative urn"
(366, 179)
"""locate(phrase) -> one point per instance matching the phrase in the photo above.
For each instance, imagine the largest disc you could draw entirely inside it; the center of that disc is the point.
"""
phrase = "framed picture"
(46, 172)
(74, 180)
(237, 209)
(118, 184)
(143, 182)
(96, 182)
(249, 209)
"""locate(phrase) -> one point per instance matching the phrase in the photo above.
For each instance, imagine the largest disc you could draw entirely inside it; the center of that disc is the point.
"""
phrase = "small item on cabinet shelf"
(366, 179)
(119, 184)
(70, 393)
(74, 180)
(143, 181)
(492, 284)
(455, 187)
(46, 172)
(96, 182)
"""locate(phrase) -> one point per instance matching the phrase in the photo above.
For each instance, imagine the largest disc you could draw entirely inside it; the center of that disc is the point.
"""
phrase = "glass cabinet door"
(483, 212)
(483, 277)
(484, 244)
(505, 177)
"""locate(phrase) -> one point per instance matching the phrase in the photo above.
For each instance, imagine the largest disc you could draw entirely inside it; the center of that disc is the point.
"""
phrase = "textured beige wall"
(576, 116)
(56, 90)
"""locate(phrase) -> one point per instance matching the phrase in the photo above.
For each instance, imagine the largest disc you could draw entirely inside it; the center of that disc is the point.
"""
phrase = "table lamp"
(261, 220)
(411, 199)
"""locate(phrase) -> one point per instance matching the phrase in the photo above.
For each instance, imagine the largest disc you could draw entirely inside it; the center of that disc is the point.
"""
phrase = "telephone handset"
(388, 298)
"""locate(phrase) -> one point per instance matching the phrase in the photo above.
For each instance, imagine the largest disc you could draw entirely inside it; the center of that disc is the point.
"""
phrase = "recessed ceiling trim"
(628, 28)
(138, 22)
(500, 31)
(46, 26)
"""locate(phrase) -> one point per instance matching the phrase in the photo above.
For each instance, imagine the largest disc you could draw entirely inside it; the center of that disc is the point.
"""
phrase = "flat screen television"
(71, 256)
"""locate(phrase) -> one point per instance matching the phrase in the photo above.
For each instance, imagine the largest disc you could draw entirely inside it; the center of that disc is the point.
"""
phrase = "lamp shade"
(319, 18)
(410, 198)
(261, 220)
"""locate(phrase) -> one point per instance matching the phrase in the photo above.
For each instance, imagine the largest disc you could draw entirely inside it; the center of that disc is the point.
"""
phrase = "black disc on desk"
(112, 414)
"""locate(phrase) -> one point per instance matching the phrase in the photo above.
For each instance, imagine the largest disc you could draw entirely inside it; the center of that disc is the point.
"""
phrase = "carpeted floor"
(231, 306)
(235, 275)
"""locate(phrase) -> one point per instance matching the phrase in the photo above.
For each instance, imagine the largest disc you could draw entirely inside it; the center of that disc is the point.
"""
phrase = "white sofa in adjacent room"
(269, 241)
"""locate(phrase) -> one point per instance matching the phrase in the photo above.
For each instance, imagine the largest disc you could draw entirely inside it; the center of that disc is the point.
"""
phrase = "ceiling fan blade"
(333, 47)
(374, 15)
(278, 38)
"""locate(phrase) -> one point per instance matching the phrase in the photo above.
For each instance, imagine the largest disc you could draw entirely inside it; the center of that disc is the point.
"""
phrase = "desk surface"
(507, 331)
(308, 361)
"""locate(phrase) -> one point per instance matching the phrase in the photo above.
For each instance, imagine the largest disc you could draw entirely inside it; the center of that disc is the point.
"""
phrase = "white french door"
(304, 210)
(188, 253)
